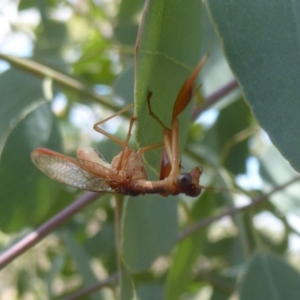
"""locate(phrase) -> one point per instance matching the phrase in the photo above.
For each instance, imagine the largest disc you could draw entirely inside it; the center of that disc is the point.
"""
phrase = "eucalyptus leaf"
(269, 277)
(261, 43)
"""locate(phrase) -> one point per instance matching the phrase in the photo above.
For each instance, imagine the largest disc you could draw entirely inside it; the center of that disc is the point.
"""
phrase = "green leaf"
(101, 244)
(261, 43)
(129, 9)
(275, 170)
(18, 91)
(81, 259)
(219, 295)
(126, 33)
(25, 194)
(55, 270)
(269, 278)
(127, 290)
(180, 273)
(149, 229)
(234, 152)
(168, 50)
(221, 137)
(124, 85)
(95, 65)
(52, 36)
(23, 5)
(187, 252)
(126, 28)
(149, 291)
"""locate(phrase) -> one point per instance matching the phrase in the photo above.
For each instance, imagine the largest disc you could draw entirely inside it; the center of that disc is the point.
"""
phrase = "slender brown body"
(127, 174)
(131, 179)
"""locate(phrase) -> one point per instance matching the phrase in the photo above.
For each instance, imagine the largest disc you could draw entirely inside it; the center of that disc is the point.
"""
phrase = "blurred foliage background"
(81, 69)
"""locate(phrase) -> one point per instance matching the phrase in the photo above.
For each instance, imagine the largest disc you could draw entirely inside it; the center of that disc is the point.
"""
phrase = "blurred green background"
(86, 71)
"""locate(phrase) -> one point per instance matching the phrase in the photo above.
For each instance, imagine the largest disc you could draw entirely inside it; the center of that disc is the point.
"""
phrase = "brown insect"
(127, 174)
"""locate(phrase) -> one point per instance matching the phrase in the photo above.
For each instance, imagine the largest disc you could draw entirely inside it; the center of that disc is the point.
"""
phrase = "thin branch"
(227, 88)
(232, 211)
(214, 97)
(37, 235)
(43, 71)
(92, 288)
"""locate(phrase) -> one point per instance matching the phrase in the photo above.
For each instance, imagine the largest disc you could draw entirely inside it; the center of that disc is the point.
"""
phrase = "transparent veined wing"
(88, 176)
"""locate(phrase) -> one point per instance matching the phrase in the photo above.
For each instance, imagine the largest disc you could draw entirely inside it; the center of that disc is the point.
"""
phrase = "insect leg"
(183, 98)
(151, 113)
(125, 143)
(150, 147)
(167, 158)
(108, 135)
(186, 92)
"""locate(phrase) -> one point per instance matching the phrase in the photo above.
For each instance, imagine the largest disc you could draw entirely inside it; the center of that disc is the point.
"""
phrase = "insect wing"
(68, 171)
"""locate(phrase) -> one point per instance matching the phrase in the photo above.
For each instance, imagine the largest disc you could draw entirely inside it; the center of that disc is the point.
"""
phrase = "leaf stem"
(64, 80)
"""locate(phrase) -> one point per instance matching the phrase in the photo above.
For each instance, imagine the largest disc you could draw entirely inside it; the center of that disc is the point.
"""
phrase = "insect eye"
(184, 179)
